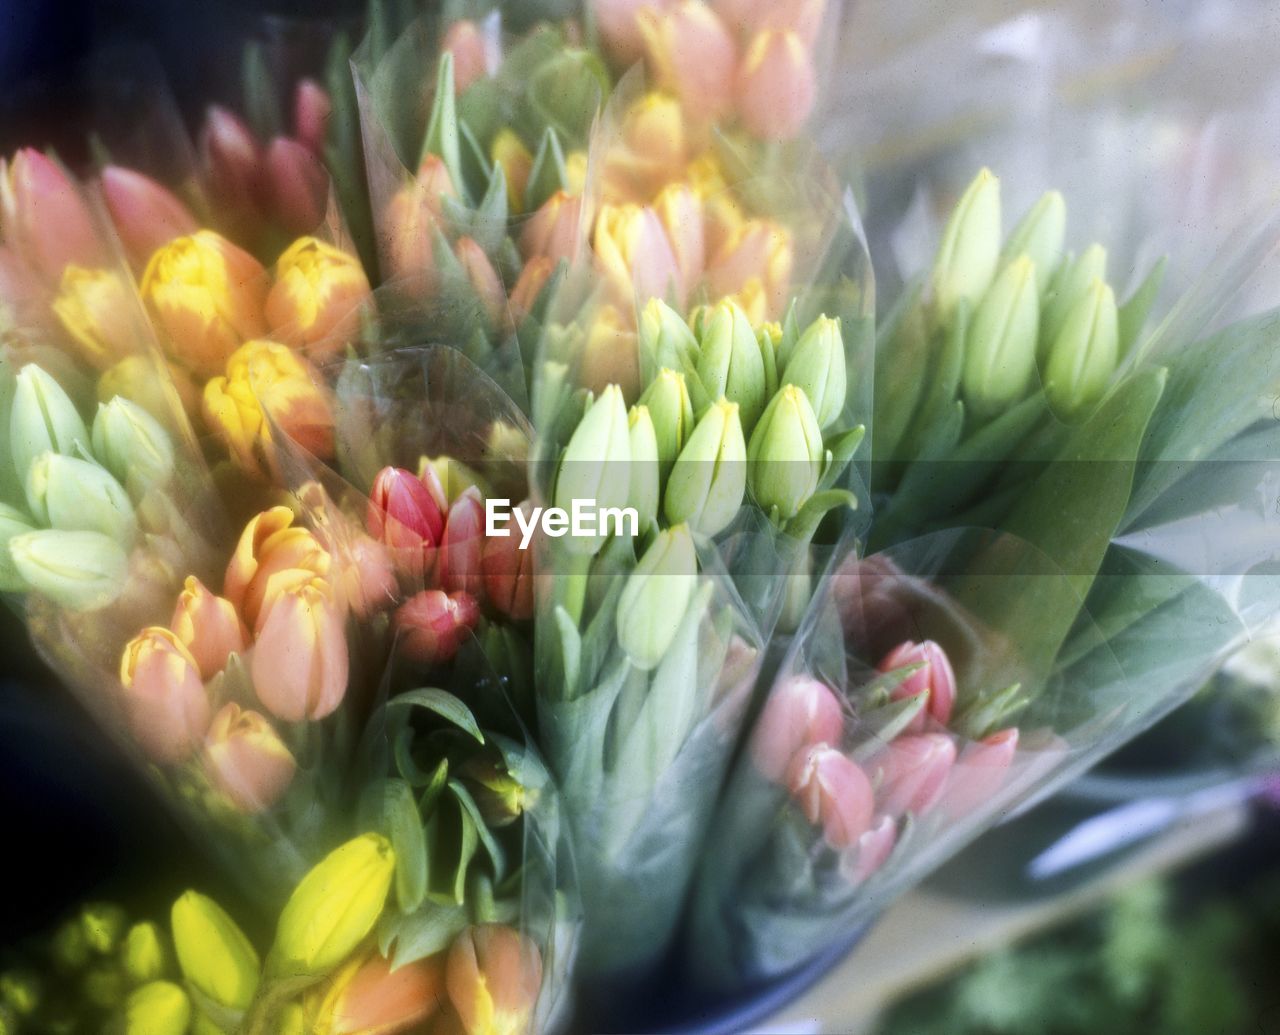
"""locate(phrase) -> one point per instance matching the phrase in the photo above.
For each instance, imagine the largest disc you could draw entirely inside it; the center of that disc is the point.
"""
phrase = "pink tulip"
(980, 771)
(871, 852)
(208, 626)
(800, 712)
(432, 625)
(466, 43)
(146, 215)
(914, 772)
(680, 212)
(747, 18)
(299, 662)
(164, 698)
(368, 577)
(483, 279)
(461, 546)
(509, 575)
(408, 518)
(297, 186)
(777, 85)
(232, 160)
(935, 679)
(246, 759)
(635, 255)
(757, 251)
(23, 298)
(554, 230)
(833, 791)
(312, 109)
(693, 55)
(44, 219)
(271, 553)
(618, 22)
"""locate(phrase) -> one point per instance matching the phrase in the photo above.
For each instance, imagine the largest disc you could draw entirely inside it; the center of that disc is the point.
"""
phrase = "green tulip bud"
(785, 455)
(76, 495)
(13, 522)
(1071, 284)
(104, 925)
(143, 956)
(1084, 355)
(43, 420)
(133, 445)
(709, 479)
(970, 247)
(731, 366)
(21, 992)
(158, 1008)
(656, 596)
(671, 411)
(103, 986)
(1000, 357)
(816, 366)
(594, 468)
(1039, 236)
(79, 570)
(334, 907)
(665, 338)
(643, 443)
(216, 958)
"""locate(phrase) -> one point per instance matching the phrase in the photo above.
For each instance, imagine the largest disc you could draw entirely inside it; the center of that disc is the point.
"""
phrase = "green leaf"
(442, 703)
(494, 850)
(547, 174)
(262, 107)
(403, 826)
(1133, 314)
(442, 128)
(425, 932)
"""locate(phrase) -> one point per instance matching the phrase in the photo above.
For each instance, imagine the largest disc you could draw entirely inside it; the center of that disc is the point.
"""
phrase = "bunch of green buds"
(70, 493)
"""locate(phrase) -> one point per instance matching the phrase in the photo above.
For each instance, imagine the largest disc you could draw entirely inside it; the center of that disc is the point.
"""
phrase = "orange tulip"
(466, 43)
(554, 230)
(407, 224)
(754, 266)
(271, 553)
(533, 278)
(369, 998)
(317, 298)
(691, 54)
(208, 626)
(299, 663)
(483, 279)
(164, 698)
(494, 975)
(246, 759)
(368, 577)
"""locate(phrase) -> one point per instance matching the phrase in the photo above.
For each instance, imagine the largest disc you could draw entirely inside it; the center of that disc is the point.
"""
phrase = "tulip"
(271, 552)
(161, 390)
(816, 365)
(1071, 283)
(368, 577)
(216, 958)
(24, 302)
(405, 516)
(432, 625)
(299, 663)
(312, 108)
(873, 850)
(656, 596)
(832, 790)
(95, 307)
(83, 571)
(465, 41)
(43, 218)
(914, 772)
(1084, 355)
(482, 278)
(665, 339)
(679, 210)
(146, 215)
(333, 908)
(232, 160)
(509, 154)
(731, 366)
(754, 263)
(267, 384)
(316, 301)
(610, 355)
(970, 248)
(671, 410)
(801, 712)
(500, 797)
(13, 523)
(777, 85)
(461, 546)
(207, 296)
(709, 479)
(1039, 236)
(246, 759)
(554, 230)
(370, 998)
(133, 446)
(407, 240)
(635, 255)
(654, 146)
(618, 22)
(143, 955)
(509, 574)
(645, 486)
(208, 626)
(42, 419)
(164, 699)
(935, 679)
(493, 977)
(1000, 359)
(595, 466)
(692, 54)
(104, 925)
(980, 772)
(296, 186)
(746, 18)
(78, 496)
(785, 454)
(529, 285)
(157, 1008)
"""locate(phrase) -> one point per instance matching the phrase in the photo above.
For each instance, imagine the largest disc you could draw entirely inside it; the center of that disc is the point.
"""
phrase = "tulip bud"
(671, 410)
(157, 1008)
(405, 516)
(510, 155)
(334, 908)
(43, 217)
(833, 791)
(143, 955)
(296, 186)
(1071, 284)
(78, 496)
(432, 625)
(300, 663)
(164, 698)
(494, 975)
(1000, 358)
(216, 958)
(643, 444)
(653, 129)
(483, 279)
(980, 772)
(530, 285)
(635, 254)
(104, 926)
(312, 108)
(709, 478)
(618, 22)
(595, 467)
(753, 266)
(368, 577)
(82, 571)
(656, 596)
(554, 231)
(935, 679)
(679, 210)
(407, 245)
(42, 419)
(915, 769)
(146, 215)
(246, 759)
(95, 307)
(316, 301)
(133, 446)
(135, 378)
(691, 54)
(731, 365)
(873, 850)
(501, 798)
(1039, 236)
(816, 365)
(207, 296)
(13, 523)
(461, 545)
(509, 574)
(369, 997)
(1084, 355)
(785, 455)
(777, 85)
(665, 338)
(271, 553)
(970, 247)
(232, 160)
(801, 712)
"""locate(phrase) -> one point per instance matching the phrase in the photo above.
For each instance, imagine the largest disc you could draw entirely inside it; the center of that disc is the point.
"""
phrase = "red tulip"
(433, 624)
(461, 546)
(408, 518)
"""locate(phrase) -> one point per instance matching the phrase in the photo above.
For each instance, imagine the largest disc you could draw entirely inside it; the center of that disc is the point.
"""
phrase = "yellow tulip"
(216, 958)
(316, 300)
(96, 309)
